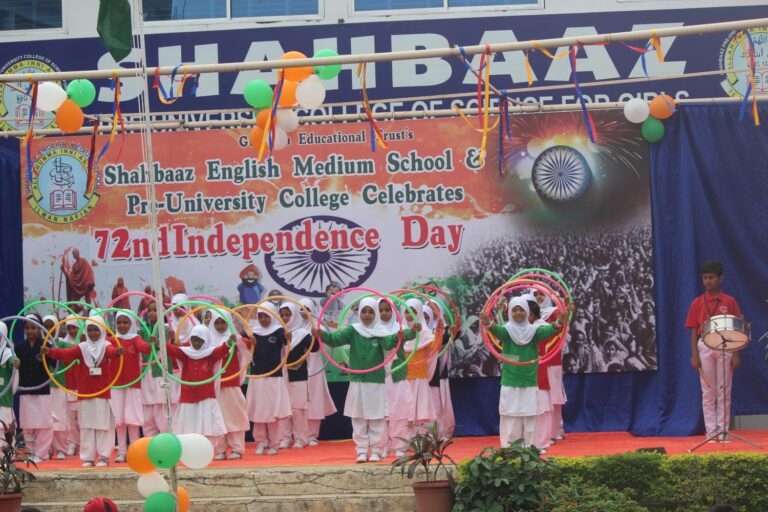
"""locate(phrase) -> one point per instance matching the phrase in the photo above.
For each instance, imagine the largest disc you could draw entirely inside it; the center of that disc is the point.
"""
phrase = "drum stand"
(725, 433)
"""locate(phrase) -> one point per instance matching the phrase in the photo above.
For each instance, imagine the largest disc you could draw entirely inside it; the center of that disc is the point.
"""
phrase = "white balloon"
(636, 110)
(50, 96)
(196, 450)
(281, 139)
(310, 93)
(288, 120)
(151, 483)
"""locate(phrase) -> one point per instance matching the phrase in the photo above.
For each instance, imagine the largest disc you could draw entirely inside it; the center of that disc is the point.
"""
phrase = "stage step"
(354, 488)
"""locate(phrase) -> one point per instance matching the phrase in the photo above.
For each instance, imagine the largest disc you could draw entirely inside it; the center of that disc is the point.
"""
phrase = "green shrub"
(575, 495)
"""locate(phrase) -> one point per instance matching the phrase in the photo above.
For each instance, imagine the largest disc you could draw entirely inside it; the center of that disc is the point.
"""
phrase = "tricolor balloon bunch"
(68, 104)
(164, 451)
(650, 115)
(303, 86)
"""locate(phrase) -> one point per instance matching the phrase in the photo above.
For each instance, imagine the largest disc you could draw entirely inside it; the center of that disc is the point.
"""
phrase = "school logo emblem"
(59, 191)
(325, 249)
(14, 103)
(732, 56)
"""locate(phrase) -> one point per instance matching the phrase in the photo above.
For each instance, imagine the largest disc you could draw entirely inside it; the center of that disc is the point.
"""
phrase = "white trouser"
(155, 420)
(96, 442)
(712, 381)
(542, 434)
(369, 434)
(39, 441)
(512, 428)
(233, 440)
(123, 432)
(267, 434)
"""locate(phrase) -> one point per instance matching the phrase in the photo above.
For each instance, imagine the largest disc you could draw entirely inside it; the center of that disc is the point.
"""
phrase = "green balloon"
(160, 502)
(653, 130)
(81, 92)
(164, 450)
(258, 94)
(329, 71)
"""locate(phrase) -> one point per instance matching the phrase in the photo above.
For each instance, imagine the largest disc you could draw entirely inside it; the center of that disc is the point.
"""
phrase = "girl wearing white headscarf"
(267, 397)
(6, 375)
(58, 397)
(231, 398)
(297, 427)
(366, 400)
(518, 402)
(94, 413)
(126, 403)
(423, 363)
(320, 402)
(439, 385)
(182, 329)
(199, 411)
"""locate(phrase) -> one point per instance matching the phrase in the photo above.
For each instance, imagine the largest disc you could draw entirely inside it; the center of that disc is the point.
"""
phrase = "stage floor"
(335, 453)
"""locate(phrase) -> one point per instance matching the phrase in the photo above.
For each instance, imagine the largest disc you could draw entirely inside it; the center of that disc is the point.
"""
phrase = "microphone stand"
(725, 432)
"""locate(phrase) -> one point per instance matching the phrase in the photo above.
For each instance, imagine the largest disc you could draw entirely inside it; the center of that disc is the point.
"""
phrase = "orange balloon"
(184, 500)
(296, 74)
(261, 118)
(662, 107)
(138, 456)
(257, 133)
(288, 94)
(69, 117)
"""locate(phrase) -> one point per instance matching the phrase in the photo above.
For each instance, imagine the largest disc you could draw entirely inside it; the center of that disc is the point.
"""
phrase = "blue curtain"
(11, 284)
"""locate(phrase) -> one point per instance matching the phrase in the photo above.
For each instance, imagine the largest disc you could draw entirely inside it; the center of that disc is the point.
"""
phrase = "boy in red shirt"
(707, 361)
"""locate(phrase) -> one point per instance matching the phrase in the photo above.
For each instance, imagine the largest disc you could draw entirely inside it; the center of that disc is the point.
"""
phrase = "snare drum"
(732, 328)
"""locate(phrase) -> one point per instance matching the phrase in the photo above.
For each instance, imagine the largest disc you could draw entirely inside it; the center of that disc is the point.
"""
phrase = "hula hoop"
(386, 360)
(486, 334)
(223, 367)
(23, 310)
(42, 328)
(143, 325)
(236, 334)
(206, 297)
(499, 293)
(130, 294)
(311, 326)
(435, 310)
(456, 315)
(287, 352)
(107, 330)
(549, 274)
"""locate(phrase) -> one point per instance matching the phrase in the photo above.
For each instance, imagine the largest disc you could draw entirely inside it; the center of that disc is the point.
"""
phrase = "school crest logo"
(59, 191)
(733, 56)
(14, 102)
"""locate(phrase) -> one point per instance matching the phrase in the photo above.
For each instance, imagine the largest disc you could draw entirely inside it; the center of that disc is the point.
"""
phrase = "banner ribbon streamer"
(32, 91)
(588, 121)
(361, 72)
(748, 47)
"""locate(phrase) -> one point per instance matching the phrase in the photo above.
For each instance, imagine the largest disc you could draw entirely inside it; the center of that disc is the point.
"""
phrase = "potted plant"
(427, 450)
(13, 477)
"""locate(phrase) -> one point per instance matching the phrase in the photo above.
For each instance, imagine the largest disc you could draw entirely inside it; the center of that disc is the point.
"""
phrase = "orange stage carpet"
(334, 453)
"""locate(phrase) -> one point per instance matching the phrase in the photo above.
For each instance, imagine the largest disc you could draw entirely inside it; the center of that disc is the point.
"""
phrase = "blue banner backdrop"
(708, 188)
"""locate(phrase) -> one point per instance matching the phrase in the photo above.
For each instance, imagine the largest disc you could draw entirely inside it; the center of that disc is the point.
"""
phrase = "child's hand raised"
(316, 332)
(485, 319)
(120, 351)
(417, 327)
(45, 351)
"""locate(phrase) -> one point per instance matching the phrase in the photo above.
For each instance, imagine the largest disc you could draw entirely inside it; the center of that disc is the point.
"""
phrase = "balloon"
(81, 92)
(137, 457)
(281, 139)
(329, 71)
(151, 483)
(653, 130)
(288, 94)
(288, 120)
(69, 117)
(662, 107)
(258, 94)
(160, 502)
(257, 133)
(311, 92)
(50, 96)
(184, 499)
(261, 118)
(196, 449)
(296, 74)
(164, 450)
(636, 110)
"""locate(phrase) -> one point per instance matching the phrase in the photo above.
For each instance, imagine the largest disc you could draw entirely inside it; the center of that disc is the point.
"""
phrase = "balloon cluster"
(67, 104)
(650, 115)
(164, 451)
(302, 86)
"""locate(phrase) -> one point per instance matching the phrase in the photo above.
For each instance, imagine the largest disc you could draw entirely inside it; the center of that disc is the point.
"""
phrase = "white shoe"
(87, 464)
(298, 445)
(120, 458)
(312, 442)
(234, 456)
(261, 449)
(385, 454)
(399, 453)
(220, 456)
(102, 463)
(272, 451)
(374, 458)
(35, 459)
(61, 456)
(543, 451)
(361, 457)
(560, 437)
(284, 444)
(71, 451)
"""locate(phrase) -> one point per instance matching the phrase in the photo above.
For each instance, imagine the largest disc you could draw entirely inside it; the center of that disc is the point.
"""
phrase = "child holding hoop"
(297, 427)
(518, 402)
(96, 420)
(7, 363)
(366, 400)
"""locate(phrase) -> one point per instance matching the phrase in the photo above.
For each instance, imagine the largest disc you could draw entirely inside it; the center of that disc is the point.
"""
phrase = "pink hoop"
(400, 336)
(205, 297)
(130, 294)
